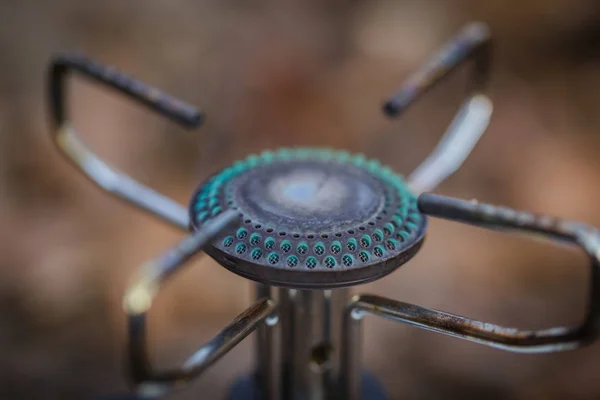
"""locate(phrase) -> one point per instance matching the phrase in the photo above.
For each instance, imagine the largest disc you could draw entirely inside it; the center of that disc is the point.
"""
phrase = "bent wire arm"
(512, 339)
(138, 300)
(470, 122)
(104, 175)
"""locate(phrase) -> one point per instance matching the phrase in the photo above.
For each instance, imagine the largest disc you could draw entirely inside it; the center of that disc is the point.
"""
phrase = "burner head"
(311, 218)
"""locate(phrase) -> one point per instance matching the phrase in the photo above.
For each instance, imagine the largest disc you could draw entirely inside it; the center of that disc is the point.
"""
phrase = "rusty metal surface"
(464, 132)
(63, 64)
(471, 120)
(138, 301)
(471, 43)
(506, 338)
(101, 173)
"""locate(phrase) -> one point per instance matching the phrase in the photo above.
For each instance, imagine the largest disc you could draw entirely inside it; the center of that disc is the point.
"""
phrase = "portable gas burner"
(306, 224)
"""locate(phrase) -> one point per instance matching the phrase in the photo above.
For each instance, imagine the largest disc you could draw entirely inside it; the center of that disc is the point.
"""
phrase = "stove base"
(245, 388)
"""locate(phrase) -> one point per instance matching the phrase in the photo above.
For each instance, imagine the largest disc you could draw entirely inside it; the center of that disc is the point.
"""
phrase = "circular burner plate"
(311, 218)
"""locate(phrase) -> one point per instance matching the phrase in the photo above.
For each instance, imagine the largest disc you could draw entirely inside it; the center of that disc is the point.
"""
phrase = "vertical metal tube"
(350, 357)
(286, 341)
(265, 351)
(336, 301)
(310, 328)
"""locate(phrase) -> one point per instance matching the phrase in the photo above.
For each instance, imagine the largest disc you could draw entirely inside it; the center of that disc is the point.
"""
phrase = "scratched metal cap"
(311, 218)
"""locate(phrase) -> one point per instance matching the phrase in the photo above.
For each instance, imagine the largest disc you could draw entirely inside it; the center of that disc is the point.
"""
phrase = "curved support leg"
(471, 121)
(138, 300)
(100, 172)
(512, 339)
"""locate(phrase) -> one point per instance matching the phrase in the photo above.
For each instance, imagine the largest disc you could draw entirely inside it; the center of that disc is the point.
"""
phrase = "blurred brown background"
(273, 73)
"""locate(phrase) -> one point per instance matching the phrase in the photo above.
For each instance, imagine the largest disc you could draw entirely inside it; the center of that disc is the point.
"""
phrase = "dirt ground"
(279, 73)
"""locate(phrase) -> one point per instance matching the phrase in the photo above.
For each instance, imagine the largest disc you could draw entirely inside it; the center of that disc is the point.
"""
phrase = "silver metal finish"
(310, 325)
(266, 368)
(510, 339)
(455, 146)
(118, 183)
(100, 172)
(138, 301)
(472, 119)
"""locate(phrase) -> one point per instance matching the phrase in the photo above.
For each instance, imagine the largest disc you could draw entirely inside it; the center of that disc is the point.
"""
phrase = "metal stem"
(266, 370)
(351, 355)
(310, 329)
